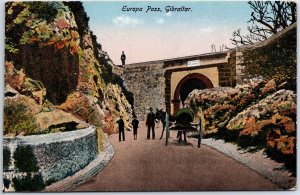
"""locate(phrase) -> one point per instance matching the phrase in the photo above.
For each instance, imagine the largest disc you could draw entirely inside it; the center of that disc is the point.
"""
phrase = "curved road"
(149, 165)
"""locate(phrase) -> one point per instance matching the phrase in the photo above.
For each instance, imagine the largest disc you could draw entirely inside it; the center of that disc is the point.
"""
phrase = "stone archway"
(187, 85)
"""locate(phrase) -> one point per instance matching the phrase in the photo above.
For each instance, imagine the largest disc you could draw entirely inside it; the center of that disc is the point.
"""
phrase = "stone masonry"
(58, 155)
(150, 81)
(147, 82)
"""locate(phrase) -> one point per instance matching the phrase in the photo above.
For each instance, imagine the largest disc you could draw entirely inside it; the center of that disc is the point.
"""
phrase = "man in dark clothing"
(123, 58)
(135, 125)
(150, 123)
(121, 128)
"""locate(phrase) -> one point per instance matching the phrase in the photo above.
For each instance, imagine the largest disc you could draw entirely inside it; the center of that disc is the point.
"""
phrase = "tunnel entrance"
(186, 86)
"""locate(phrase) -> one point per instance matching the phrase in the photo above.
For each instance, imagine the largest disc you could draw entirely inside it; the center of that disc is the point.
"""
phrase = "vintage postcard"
(149, 96)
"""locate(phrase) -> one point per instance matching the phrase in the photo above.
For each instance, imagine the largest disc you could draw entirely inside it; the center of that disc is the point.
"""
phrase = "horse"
(160, 116)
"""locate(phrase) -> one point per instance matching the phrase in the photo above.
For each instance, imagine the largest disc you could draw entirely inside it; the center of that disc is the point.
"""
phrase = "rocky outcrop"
(24, 116)
(58, 79)
(48, 49)
(282, 102)
(56, 69)
(85, 107)
(116, 106)
(17, 80)
(271, 122)
(221, 104)
(258, 114)
(57, 62)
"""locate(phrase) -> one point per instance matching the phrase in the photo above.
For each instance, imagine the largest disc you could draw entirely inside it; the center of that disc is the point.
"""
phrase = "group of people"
(150, 123)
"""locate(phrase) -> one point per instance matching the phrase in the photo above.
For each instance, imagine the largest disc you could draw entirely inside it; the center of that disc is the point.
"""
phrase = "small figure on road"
(135, 125)
(150, 123)
(123, 58)
(121, 128)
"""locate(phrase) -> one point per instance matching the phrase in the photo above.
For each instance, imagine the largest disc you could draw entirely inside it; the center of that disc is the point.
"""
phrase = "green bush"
(6, 158)
(29, 183)
(17, 119)
(6, 183)
(44, 10)
(14, 31)
(25, 160)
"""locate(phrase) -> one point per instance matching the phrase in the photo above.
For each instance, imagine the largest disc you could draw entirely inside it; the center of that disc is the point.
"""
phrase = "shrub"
(17, 15)
(6, 183)
(283, 150)
(44, 10)
(6, 158)
(17, 119)
(29, 183)
(25, 160)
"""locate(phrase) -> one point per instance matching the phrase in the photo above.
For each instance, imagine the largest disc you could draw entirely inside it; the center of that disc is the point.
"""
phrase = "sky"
(156, 35)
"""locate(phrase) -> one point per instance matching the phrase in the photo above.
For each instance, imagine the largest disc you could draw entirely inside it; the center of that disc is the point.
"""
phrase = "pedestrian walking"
(121, 128)
(150, 123)
(135, 125)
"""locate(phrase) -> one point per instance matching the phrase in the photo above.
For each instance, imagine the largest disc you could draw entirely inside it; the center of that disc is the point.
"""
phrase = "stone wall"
(58, 155)
(153, 83)
(239, 67)
(147, 82)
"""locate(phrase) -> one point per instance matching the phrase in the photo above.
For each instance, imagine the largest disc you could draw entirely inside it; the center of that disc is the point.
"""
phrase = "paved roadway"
(149, 165)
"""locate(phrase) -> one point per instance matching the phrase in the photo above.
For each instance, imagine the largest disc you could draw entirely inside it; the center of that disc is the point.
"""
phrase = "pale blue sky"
(157, 35)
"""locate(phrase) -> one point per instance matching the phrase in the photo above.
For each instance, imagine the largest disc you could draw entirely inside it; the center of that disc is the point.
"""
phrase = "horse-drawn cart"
(183, 124)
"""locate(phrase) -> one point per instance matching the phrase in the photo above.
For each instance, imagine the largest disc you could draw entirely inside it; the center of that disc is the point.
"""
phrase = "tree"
(267, 18)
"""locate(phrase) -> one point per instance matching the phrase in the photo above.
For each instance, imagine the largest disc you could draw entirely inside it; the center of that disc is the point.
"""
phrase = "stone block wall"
(239, 68)
(227, 71)
(57, 155)
(147, 82)
(151, 82)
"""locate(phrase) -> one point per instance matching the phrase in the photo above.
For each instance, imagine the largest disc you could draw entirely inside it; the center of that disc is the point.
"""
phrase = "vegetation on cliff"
(57, 78)
(57, 68)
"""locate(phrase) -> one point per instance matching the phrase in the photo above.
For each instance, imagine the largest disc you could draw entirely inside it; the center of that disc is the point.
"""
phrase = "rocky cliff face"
(259, 114)
(53, 59)
(56, 69)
